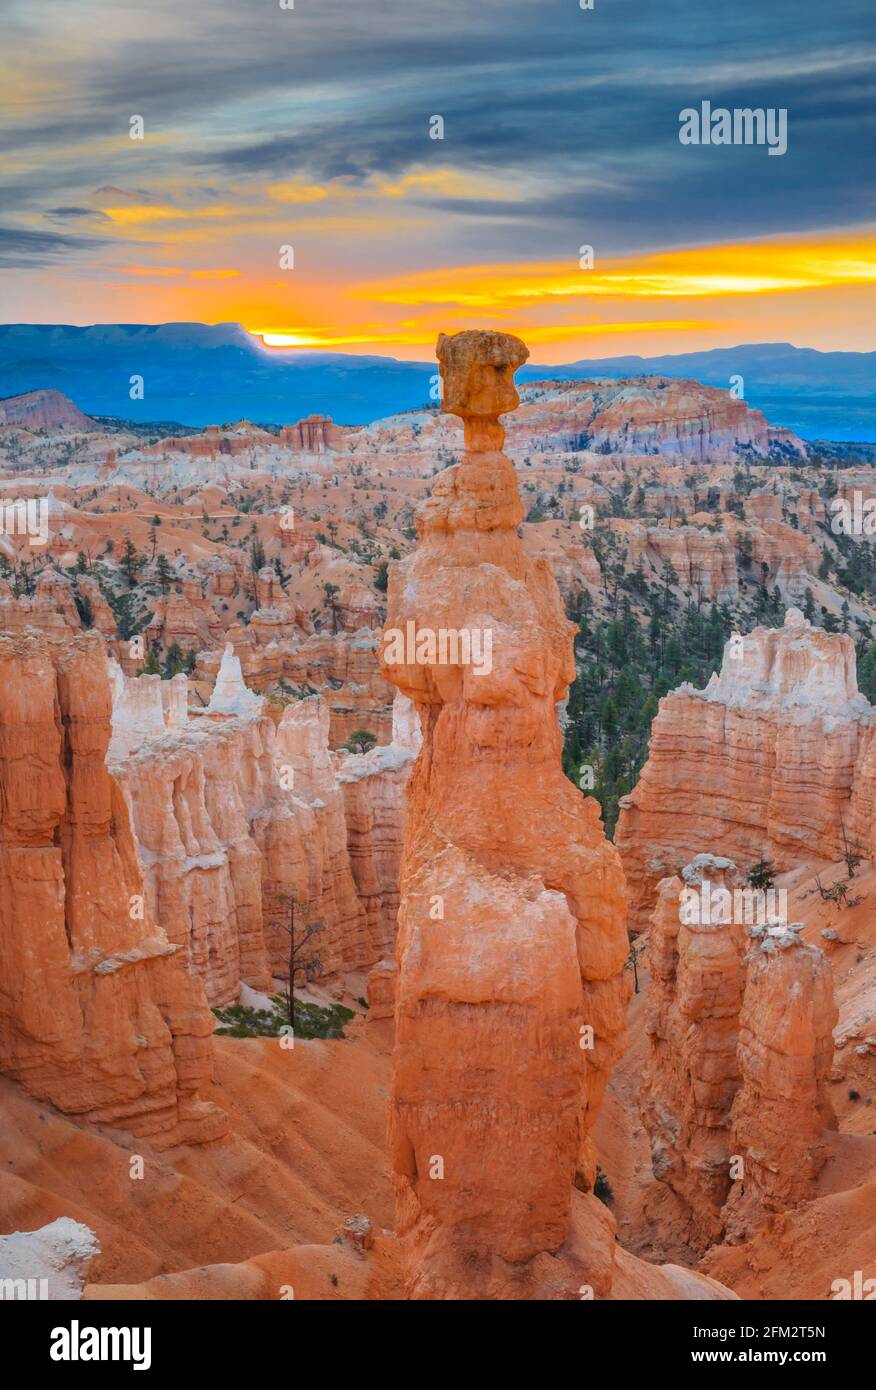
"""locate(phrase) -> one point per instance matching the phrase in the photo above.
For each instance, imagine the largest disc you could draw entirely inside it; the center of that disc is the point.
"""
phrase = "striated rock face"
(693, 1073)
(191, 802)
(511, 927)
(51, 607)
(785, 1053)
(97, 1012)
(734, 1094)
(234, 817)
(304, 845)
(381, 990)
(762, 763)
(373, 786)
(791, 557)
(102, 617)
(342, 668)
(700, 560)
(45, 410)
(234, 441)
(315, 434)
(183, 618)
(648, 415)
(861, 812)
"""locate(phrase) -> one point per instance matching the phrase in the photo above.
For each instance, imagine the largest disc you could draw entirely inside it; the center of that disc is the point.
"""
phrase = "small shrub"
(311, 1020)
(602, 1188)
(360, 741)
(761, 875)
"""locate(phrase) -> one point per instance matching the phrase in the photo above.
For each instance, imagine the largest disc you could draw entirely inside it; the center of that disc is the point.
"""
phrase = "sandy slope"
(306, 1151)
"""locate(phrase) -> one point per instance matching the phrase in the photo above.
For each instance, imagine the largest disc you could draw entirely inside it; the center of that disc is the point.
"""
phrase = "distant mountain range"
(202, 374)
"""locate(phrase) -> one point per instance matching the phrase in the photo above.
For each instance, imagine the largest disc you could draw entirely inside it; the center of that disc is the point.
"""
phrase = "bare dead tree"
(298, 940)
(852, 859)
(637, 950)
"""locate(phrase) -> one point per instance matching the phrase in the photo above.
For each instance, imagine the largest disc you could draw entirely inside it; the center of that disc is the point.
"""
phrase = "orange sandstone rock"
(761, 763)
(97, 1012)
(234, 816)
(703, 562)
(735, 1097)
(374, 786)
(693, 1072)
(782, 1108)
(511, 928)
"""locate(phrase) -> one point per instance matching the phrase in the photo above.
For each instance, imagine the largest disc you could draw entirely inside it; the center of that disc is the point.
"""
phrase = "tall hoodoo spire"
(511, 947)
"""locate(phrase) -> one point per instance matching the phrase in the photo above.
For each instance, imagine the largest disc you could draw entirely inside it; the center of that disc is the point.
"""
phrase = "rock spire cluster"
(734, 1095)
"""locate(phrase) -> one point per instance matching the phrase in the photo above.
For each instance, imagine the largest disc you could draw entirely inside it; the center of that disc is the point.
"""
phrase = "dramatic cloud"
(560, 128)
(19, 247)
(62, 213)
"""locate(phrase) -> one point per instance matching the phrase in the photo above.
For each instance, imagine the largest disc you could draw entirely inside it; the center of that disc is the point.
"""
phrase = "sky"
(310, 127)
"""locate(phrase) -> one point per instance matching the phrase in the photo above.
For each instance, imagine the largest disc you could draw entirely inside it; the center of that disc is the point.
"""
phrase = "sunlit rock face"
(669, 416)
(782, 1109)
(735, 1091)
(98, 1014)
(692, 1074)
(235, 816)
(511, 939)
(374, 787)
(762, 763)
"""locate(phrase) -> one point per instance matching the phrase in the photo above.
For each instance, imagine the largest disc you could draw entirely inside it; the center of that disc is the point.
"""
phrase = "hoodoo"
(783, 1110)
(511, 988)
(97, 1013)
(692, 1075)
(735, 1093)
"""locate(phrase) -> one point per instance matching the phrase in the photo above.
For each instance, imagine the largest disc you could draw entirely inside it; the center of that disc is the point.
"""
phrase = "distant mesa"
(45, 410)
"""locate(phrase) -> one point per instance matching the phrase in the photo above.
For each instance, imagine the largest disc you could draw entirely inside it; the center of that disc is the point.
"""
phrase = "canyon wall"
(669, 416)
(766, 762)
(782, 1108)
(735, 1090)
(692, 1074)
(511, 994)
(235, 816)
(144, 880)
(315, 434)
(702, 561)
(341, 667)
(373, 786)
(98, 1014)
(45, 410)
(242, 808)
